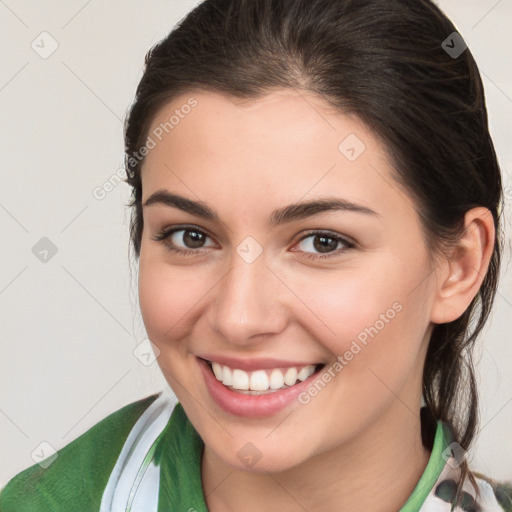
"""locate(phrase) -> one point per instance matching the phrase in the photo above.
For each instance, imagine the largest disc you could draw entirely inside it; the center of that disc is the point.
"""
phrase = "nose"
(247, 306)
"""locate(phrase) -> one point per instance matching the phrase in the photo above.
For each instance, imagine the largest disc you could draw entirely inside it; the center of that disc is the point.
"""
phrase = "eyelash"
(166, 233)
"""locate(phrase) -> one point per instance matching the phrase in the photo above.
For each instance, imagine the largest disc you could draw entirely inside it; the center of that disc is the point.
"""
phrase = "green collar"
(435, 466)
(180, 468)
(179, 455)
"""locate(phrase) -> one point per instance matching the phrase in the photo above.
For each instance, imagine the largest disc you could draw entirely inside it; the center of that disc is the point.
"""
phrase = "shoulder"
(491, 495)
(501, 491)
(479, 492)
(75, 479)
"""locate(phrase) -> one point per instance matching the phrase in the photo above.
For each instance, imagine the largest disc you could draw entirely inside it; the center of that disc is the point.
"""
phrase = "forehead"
(287, 143)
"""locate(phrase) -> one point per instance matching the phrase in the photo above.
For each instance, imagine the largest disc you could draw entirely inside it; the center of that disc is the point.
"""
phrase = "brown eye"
(183, 240)
(324, 244)
(192, 239)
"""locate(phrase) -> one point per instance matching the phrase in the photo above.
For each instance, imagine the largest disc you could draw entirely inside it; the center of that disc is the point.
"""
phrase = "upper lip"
(255, 364)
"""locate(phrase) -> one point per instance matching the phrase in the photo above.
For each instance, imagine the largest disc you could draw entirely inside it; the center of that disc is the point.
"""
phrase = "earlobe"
(464, 269)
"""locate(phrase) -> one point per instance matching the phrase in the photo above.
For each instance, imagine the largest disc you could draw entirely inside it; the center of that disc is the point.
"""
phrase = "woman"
(316, 214)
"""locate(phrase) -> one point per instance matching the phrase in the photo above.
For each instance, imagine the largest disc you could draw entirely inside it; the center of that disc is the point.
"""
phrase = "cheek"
(370, 318)
(341, 305)
(166, 300)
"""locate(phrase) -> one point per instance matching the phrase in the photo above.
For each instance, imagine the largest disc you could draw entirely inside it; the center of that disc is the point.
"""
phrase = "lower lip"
(251, 406)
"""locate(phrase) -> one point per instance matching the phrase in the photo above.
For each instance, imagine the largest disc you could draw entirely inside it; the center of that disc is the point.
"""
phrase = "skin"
(357, 444)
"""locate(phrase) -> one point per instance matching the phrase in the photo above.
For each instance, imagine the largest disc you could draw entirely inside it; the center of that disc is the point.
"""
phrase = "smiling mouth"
(261, 381)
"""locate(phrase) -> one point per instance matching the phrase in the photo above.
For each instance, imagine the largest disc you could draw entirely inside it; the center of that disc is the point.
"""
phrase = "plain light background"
(69, 326)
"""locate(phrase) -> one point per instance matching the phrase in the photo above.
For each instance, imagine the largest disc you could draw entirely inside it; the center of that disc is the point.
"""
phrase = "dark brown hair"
(385, 62)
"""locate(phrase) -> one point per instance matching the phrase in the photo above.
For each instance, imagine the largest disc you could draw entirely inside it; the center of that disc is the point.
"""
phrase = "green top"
(78, 476)
(182, 487)
(435, 466)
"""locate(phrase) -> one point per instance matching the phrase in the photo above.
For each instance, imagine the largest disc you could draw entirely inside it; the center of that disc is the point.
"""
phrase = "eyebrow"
(290, 213)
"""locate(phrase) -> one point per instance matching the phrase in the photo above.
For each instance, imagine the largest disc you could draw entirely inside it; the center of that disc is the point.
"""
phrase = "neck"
(377, 470)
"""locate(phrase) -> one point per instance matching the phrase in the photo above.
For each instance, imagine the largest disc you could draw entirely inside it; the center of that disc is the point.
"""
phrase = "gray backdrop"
(68, 304)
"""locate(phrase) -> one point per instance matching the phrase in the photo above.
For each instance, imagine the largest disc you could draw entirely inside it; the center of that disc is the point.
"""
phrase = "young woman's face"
(350, 288)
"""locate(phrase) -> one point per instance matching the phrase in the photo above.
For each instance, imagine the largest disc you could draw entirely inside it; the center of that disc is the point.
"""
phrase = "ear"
(460, 274)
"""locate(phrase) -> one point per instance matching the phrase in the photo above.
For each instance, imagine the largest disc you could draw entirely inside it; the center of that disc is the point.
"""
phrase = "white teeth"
(276, 379)
(304, 373)
(258, 381)
(227, 376)
(261, 380)
(290, 377)
(217, 370)
(240, 379)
